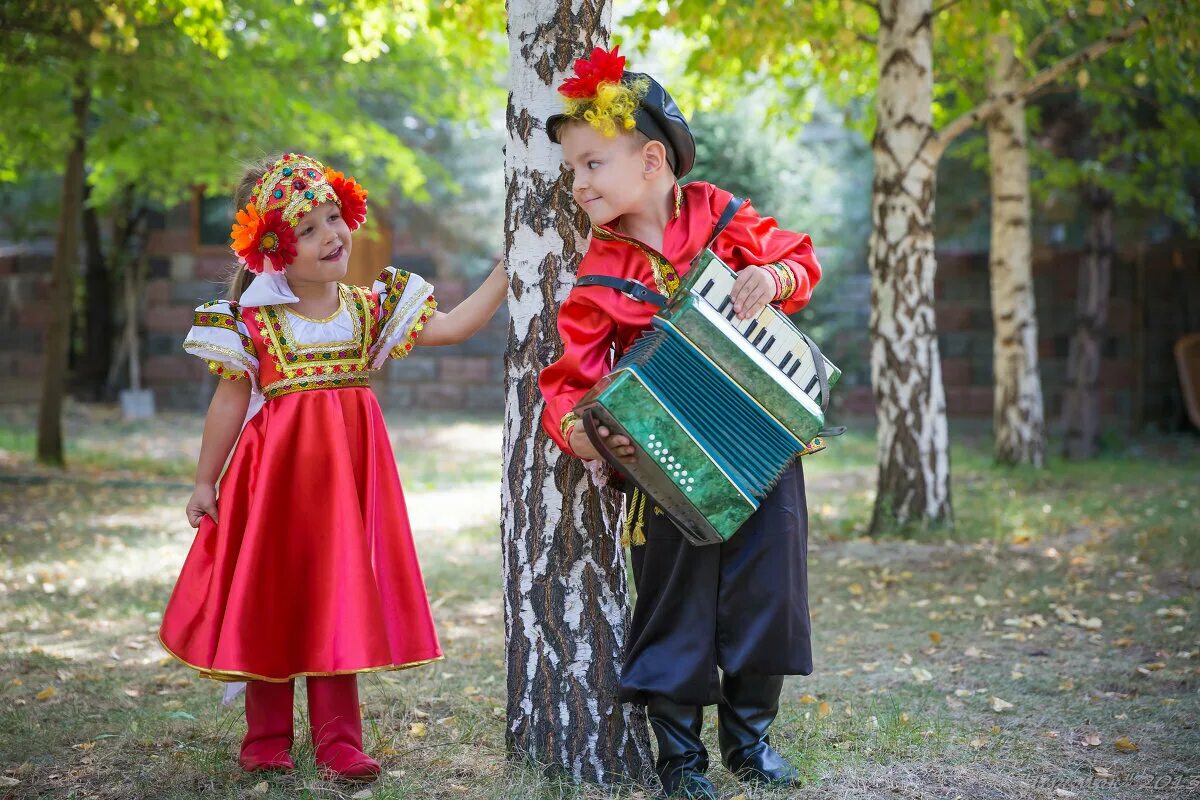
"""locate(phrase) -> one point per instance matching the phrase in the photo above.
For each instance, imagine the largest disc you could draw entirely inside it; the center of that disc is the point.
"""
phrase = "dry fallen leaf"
(417, 730)
(855, 588)
(1091, 740)
(363, 795)
(1103, 772)
(823, 710)
(46, 694)
(921, 675)
(978, 743)
(807, 699)
(1000, 705)
(1125, 745)
(259, 788)
(935, 637)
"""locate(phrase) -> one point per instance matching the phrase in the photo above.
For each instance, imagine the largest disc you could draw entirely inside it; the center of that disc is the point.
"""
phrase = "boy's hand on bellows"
(753, 289)
(617, 444)
(203, 501)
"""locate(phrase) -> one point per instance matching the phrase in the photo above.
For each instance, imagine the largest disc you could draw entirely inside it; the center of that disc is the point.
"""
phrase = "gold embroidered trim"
(233, 676)
(303, 383)
(666, 279)
(566, 423)
(218, 369)
(410, 338)
(224, 322)
(787, 279)
(233, 357)
(295, 358)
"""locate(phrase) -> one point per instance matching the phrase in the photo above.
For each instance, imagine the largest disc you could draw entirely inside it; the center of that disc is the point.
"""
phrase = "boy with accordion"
(716, 624)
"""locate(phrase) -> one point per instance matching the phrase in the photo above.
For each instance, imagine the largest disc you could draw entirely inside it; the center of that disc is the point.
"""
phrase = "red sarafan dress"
(311, 569)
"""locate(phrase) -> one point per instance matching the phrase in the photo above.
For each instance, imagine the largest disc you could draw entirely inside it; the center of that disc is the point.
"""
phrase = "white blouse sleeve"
(406, 303)
(219, 336)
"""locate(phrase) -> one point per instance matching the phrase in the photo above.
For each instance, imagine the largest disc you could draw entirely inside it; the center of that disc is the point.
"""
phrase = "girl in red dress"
(304, 562)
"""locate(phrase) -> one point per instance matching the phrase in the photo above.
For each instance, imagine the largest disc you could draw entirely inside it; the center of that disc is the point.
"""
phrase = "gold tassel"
(639, 530)
(627, 527)
(633, 532)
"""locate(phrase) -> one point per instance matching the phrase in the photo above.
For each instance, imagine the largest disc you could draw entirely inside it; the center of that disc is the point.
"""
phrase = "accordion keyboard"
(770, 332)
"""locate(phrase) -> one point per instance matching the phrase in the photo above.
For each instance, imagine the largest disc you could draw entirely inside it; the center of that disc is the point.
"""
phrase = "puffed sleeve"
(587, 333)
(751, 239)
(406, 303)
(220, 337)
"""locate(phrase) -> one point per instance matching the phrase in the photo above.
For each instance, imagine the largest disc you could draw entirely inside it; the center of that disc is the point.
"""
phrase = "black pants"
(741, 605)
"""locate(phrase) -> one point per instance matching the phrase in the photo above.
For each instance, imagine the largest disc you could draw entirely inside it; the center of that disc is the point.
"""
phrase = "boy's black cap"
(659, 118)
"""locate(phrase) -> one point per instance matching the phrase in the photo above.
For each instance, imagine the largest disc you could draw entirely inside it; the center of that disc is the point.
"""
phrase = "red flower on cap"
(257, 239)
(353, 198)
(589, 74)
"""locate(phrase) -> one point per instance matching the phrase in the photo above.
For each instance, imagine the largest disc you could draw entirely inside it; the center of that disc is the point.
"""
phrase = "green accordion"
(717, 407)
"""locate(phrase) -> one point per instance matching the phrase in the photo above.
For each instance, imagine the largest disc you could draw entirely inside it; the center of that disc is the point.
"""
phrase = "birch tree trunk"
(906, 370)
(566, 599)
(1018, 412)
(1081, 407)
(62, 282)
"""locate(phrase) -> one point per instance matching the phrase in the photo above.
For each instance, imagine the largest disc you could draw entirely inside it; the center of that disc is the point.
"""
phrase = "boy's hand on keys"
(753, 289)
(617, 444)
(203, 501)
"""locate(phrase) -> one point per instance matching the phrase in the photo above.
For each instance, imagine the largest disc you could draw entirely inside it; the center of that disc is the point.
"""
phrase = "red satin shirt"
(596, 323)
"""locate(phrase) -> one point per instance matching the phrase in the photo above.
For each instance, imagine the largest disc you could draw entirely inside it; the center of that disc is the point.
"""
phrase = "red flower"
(352, 197)
(603, 66)
(263, 238)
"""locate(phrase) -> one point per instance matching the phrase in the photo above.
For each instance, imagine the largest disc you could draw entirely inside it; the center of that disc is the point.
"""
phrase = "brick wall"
(1154, 301)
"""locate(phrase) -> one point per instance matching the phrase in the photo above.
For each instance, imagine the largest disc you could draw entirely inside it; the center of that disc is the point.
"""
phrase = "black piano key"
(750, 328)
(708, 288)
(731, 313)
(724, 303)
(787, 357)
(767, 348)
(795, 367)
(814, 383)
(760, 336)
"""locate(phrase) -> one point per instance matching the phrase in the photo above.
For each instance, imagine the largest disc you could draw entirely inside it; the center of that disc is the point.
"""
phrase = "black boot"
(682, 759)
(748, 706)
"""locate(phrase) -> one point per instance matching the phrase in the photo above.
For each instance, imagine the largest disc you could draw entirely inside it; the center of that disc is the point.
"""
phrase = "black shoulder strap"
(726, 217)
(635, 289)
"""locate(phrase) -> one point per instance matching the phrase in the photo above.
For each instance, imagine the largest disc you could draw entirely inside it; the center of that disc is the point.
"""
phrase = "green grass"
(1069, 593)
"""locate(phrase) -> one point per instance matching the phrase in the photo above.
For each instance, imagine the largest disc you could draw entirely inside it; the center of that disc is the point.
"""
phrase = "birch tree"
(887, 48)
(566, 599)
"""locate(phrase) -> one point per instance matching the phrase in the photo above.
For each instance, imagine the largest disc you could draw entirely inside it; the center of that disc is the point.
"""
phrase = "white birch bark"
(566, 599)
(906, 370)
(1018, 411)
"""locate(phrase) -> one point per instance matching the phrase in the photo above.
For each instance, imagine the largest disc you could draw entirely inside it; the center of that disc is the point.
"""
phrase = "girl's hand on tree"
(617, 444)
(754, 288)
(203, 501)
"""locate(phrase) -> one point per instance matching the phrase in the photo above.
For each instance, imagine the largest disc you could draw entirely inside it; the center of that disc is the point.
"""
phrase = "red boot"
(268, 727)
(337, 728)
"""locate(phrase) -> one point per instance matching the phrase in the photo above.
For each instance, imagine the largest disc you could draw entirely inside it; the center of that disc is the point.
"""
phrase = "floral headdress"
(598, 95)
(264, 234)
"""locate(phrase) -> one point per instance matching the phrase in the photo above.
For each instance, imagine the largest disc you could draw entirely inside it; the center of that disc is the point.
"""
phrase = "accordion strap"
(629, 287)
(819, 368)
(726, 217)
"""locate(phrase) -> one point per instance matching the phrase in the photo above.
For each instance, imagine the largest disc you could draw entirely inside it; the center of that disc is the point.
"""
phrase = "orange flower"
(263, 238)
(351, 195)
